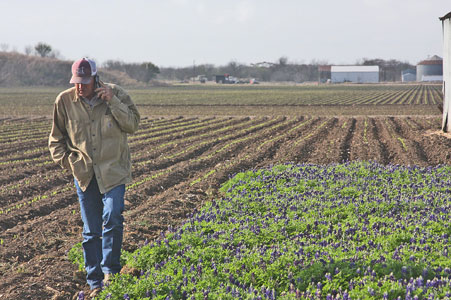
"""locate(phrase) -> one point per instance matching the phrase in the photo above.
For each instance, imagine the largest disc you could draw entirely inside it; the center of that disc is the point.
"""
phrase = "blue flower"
(81, 295)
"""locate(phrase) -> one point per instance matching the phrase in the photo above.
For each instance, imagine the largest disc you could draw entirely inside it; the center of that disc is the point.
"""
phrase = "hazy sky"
(183, 32)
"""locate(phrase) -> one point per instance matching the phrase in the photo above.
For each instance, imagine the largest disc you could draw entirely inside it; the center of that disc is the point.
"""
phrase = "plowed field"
(178, 164)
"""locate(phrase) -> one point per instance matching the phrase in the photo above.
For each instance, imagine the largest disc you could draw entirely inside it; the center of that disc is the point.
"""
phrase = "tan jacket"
(93, 141)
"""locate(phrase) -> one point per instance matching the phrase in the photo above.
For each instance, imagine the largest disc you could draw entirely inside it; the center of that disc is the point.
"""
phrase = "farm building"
(358, 74)
(408, 75)
(430, 69)
(446, 123)
(324, 73)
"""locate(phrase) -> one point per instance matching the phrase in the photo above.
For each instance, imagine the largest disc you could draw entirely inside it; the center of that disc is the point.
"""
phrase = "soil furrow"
(396, 149)
(381, 143)
(345, 147)
(302, 152)
(406, 136)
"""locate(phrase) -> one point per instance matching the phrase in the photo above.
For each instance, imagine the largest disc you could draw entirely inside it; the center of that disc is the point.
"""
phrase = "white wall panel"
(446, 124)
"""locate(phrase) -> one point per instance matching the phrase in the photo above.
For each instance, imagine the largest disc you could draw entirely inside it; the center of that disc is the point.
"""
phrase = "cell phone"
(96, 81)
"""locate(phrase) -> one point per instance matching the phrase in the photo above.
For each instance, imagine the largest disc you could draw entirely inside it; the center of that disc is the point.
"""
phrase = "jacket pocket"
(110, 128)
(77, 164)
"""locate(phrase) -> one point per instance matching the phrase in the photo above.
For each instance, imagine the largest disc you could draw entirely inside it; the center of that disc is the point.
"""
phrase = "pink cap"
(82, 71)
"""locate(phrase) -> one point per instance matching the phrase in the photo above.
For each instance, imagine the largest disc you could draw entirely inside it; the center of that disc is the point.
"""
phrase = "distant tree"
(114, 65)
(43, 49)
(4, 47)
(235, 69)
(28, 50)
(144, 72)
(280, 70)
(389, 70)
(150, 71)
(283, 61)
(232, 68)
(208, 70)
(55, 54)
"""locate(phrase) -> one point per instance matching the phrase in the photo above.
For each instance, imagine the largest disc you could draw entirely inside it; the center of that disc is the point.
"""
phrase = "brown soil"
(174, 158)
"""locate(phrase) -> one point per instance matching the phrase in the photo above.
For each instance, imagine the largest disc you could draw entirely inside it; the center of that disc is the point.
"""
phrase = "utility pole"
(194, 70)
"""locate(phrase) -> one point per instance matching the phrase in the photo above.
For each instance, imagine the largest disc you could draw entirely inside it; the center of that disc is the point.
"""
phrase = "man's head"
(83, 72)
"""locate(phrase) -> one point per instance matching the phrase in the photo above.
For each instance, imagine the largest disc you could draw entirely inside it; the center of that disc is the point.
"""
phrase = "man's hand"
(104, 92)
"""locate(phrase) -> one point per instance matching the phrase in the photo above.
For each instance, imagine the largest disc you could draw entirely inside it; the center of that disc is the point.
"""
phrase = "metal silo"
(429, 69)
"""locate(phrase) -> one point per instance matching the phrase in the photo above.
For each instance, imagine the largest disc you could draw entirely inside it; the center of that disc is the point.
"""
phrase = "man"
(89, 137)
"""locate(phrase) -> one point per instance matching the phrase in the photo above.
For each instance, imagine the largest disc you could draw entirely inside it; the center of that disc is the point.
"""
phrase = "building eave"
(447, 16)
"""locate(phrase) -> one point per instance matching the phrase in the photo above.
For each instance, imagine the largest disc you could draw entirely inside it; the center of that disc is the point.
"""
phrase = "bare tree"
(283, 61)
(28, 50)
(4, 47)
(55, 54)
(43, 49)
(389, 70)
(114, 65)
(234, 68)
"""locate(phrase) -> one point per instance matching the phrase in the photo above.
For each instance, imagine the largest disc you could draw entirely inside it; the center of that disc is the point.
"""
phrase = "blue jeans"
(101, 247)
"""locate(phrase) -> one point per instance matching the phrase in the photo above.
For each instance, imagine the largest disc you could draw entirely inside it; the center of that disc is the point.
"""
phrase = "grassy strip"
(314, 131)
(365, 130)
(395, 136)
(42, 99)
(19, 205)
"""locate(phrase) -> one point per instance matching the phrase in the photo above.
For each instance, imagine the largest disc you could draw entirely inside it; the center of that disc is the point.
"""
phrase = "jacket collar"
(75, 97)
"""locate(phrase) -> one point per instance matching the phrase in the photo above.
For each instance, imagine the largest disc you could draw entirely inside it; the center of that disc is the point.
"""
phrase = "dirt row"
(179, 163)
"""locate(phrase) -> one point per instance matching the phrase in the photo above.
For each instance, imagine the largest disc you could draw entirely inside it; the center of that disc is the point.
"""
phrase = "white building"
(408, 75)
(430, 67)
(358, 74)
(432, 78)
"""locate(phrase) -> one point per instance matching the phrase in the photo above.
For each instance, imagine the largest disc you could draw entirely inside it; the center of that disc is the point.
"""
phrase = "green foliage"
(75, 256)
(151, 71)
(343, 231)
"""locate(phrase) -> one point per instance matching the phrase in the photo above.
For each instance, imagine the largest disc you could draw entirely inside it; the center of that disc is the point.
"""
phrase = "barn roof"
(409, 71)
(434, 60)
(447, 16)
(355, 68)
(324, 68)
